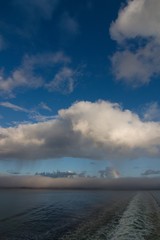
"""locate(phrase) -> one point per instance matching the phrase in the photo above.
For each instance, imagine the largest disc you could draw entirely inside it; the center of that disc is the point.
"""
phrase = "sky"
(79, 86)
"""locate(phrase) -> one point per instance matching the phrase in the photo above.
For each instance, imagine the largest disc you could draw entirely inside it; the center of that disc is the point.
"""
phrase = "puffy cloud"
(140, 18)
(109, 172)
(137, 67)
(100, 130)
(138, 22)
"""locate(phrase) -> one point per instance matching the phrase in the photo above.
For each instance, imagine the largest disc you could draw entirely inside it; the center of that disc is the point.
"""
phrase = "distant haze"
(15, 181)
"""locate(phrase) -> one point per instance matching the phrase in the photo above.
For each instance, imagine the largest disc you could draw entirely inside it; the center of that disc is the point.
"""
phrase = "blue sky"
(74, 77)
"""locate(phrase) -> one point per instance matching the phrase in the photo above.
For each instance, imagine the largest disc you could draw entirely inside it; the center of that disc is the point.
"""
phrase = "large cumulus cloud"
(100, 130)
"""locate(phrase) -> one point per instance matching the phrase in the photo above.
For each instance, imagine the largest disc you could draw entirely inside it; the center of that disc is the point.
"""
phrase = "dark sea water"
(79, 215)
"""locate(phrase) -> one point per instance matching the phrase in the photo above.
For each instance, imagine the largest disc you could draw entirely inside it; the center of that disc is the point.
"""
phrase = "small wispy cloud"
(89, 4)
(14, 107)
(2, 43)
(32, 114)
(69, 24)
(151, 112)
(37, 8)
(64, 81)
(13, 172)
(45, 106)
(22, 77)
(151, 172)
(92, 163)
(29, 16)
(57, 174)
(37, 117)
(26, 75)
(45, 59)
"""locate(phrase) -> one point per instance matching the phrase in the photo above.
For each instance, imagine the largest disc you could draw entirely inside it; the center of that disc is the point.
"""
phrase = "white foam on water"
(136, 222)
(139, 221)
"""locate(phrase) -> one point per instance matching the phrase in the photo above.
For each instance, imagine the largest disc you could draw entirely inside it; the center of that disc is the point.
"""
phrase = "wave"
(138, 220)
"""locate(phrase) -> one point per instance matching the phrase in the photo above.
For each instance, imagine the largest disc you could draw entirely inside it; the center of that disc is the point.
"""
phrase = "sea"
(27, 214)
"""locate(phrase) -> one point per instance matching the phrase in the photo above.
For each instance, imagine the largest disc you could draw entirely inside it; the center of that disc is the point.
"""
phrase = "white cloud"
(32, 114)
(109, 172)
(25, 75)
(36, 116)
(45, 106)
(64, 81)
(138, 18)
(13, 106)
(20, 78)
(137, 67)
(100, 130)
(138, 22)
(129, 67)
